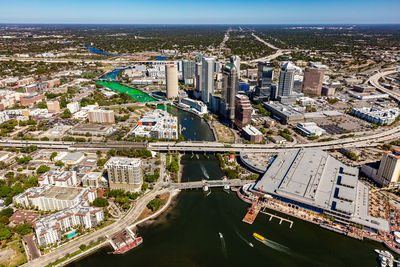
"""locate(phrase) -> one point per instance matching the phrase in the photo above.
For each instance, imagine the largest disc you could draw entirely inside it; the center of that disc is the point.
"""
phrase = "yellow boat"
(258, 237)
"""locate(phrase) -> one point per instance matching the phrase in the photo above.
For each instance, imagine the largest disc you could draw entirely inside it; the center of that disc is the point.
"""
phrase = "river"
(187, 234)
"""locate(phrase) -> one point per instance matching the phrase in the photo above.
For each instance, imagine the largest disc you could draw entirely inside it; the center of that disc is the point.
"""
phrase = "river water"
(187, 234)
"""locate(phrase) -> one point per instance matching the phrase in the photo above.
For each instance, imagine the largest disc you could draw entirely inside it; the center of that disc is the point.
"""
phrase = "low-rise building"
(376, 115)
(73, 107)
(63, 178)
(157, 124)
(31, 99)
(363, 88)
(94, 180)
(252, 134)
(312, 180)
(70, 158)
(92, 129)
(53, 107)
(310, 129)
(197, 106)
(284, 113)
(23, 216)
(49, 230)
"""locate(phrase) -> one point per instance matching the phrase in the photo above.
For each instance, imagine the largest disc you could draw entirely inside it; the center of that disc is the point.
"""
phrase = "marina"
(281, 219)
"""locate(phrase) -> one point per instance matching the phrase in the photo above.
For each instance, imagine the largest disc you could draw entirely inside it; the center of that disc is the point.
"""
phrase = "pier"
(281, 219)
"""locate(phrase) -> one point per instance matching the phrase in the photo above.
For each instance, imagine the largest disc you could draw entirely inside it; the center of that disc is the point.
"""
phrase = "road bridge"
(210, 183)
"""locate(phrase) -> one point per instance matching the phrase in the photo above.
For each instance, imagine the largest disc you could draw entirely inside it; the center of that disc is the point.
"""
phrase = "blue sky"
(201, 11)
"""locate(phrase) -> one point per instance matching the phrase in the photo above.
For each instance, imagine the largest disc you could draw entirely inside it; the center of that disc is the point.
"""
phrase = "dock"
(281, 219)
(251, 215)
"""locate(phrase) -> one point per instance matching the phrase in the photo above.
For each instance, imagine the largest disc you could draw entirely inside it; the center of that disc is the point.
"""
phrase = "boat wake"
(244, 239)
(223, 245)
(276, 246)
(203, 169)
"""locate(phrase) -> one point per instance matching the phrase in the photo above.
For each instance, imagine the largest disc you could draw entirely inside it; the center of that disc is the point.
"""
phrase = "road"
(278, 52)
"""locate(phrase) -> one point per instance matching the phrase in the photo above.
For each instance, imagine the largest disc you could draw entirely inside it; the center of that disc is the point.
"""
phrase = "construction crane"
(255, 202)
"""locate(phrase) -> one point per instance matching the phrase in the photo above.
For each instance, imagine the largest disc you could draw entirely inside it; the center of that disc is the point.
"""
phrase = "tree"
(5, 234)
(83, 247)
(66, 114)
(23, 228)
(101, 162)
(53, 155)
(59, 163)
(4, 220)
(8, 212)
(42, 169)
(100, 202)
(154, 204)
(8, 201)
(145, 186)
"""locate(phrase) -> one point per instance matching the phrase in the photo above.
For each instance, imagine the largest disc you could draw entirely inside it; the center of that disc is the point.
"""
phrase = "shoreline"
(105, 243)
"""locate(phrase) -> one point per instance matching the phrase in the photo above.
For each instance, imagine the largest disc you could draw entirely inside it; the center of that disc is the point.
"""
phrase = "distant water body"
(98, 51)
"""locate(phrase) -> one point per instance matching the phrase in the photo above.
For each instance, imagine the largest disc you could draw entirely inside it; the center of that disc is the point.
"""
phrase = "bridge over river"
(210, 183)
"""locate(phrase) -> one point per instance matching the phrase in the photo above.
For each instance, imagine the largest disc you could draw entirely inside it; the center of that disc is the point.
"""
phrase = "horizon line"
(190, 24)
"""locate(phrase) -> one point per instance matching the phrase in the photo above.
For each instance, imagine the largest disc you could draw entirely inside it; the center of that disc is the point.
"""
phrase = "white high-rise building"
(235, 60)
(125, 173)
(171, 75)
(286, 79)
(207, 79)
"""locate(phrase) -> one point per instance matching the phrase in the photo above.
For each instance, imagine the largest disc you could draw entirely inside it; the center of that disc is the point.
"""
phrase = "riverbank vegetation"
(172, 166)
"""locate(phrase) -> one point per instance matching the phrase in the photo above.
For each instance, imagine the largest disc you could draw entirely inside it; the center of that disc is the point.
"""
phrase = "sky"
(201, 11)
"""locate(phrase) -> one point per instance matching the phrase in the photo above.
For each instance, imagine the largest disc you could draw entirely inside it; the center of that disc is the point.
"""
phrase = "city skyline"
(206, 12)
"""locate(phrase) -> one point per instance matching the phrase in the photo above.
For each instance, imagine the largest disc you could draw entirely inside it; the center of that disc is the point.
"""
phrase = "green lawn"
(134, 93)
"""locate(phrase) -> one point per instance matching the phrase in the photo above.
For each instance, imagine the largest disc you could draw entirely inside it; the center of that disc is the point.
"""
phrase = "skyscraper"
(188, 71)
(235, 60)
(265, 74)
(243, 110)
(286, 80)
(389, 169)
(171, 75)
(207, 78)
(198, 76)
(230, 87)
(312, 81)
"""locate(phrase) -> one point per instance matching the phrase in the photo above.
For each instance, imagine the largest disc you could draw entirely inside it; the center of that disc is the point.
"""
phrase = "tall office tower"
(286, 80)
(265, 74)
(235, 60)
(312, 81)
(125, 173)
(243, 110)
(389, 169)
(188, 71)
(101, 116)
(171, 76)
(198, 76)
(207, 78)
(230, 87)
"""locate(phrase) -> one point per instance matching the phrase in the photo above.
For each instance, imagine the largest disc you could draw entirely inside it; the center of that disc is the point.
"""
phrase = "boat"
(251, 245)
(220, 235)
(258, 237)
(127, 247)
